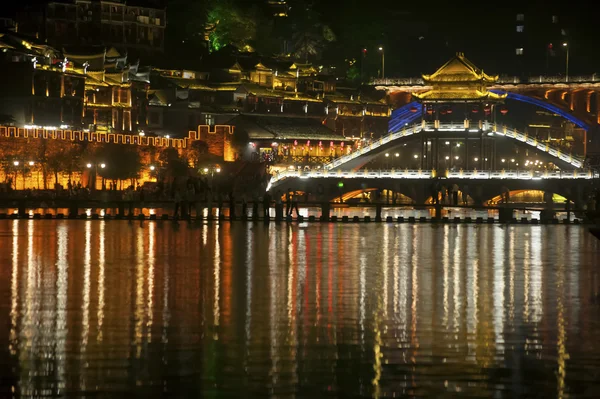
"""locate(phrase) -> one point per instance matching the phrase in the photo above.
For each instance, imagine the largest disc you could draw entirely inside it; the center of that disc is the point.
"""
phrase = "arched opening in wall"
(448, 199)
(527, 197)
(370, 195)
(297, 193)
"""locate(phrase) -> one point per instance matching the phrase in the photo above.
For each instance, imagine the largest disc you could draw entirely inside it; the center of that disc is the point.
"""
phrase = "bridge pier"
(325, 211)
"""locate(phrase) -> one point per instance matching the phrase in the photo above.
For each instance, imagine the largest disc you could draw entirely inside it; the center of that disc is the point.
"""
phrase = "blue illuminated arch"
(403, 116)
(543, 104)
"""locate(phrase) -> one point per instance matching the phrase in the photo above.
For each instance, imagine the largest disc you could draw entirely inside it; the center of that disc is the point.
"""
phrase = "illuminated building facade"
(38, 88)
(115, 91)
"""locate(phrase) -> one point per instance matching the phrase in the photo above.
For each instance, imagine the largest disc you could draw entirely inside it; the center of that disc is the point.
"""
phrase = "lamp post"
(95, 166)
(566, 46)
(382, 62)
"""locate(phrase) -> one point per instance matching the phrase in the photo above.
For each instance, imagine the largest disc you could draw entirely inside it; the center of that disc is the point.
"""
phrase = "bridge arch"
(368, 195)
(413, 111)
(359, 158)
(545, 105)
(527, 196)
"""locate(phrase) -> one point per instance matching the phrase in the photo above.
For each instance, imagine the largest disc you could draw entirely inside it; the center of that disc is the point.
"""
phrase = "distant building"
(537, 39)
(37, 87)
(138, 29)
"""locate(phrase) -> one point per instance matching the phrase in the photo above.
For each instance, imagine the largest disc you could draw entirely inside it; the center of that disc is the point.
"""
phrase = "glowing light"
(89, 165)
(503, 160)
(31, 163)
(142, 134)
(447, 143)
(152, 167)
(397, 155)
(205, 170)
(456, 157)
(415, 156)
(476, 159)
(218, 170)
(103, 165)
(387, 155)
(447, 157)
(16, 163)
(458, 144)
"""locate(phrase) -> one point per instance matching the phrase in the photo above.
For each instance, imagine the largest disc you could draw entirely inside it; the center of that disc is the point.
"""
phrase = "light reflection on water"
(96, 308)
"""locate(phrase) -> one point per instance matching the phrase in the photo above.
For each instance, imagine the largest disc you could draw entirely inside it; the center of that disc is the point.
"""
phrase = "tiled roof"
(271, 127)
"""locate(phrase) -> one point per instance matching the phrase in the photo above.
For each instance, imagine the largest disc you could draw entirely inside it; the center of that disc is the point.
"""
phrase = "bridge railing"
(593, 78)
(431, 174)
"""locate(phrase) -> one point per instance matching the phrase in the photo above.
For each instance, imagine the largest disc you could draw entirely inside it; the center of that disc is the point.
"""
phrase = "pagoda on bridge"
(459, 81)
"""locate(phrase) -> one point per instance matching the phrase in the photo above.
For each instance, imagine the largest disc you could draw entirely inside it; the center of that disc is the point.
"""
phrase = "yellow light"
(103, 165)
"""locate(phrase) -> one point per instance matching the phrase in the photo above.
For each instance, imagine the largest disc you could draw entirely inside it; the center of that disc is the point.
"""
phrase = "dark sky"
(419, 35)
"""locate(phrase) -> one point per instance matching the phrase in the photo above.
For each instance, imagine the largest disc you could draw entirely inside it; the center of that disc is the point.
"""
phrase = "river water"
(130, 309)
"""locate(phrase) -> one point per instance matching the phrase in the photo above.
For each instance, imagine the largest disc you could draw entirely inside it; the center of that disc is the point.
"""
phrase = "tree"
(122, 162)
(310, 35)
(231, 25)
(172, 164)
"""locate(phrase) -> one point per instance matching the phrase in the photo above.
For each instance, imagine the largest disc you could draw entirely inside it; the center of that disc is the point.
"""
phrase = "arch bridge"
(361, 157)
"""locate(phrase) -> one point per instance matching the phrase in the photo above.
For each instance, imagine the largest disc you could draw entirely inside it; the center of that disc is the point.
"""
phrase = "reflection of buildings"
(297, 311)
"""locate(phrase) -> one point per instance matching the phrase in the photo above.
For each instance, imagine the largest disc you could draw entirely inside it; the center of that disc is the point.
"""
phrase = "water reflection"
(106, 308)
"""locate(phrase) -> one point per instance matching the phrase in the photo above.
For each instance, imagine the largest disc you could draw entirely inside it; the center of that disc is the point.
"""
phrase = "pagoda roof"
(459, 80)
(459, 69)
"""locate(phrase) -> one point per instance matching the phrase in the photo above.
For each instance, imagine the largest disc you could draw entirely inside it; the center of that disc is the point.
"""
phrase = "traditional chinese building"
(289, 141)
(115, 91)
(37, 87)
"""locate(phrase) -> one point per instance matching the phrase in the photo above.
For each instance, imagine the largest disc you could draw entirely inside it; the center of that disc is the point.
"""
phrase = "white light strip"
(429, 174)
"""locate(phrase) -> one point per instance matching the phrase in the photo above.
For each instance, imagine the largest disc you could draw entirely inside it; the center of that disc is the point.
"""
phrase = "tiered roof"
(459, 80)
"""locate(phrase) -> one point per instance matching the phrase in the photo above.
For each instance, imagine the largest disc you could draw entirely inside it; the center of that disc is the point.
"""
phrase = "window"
(209, 119)
(520, 28)
(520, 17)
(555, 19)
(519, 51)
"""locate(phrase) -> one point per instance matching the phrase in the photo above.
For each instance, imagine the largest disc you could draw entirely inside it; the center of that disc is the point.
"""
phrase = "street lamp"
(566, 45)
(95, 166)
(152, 167)
(382, 62)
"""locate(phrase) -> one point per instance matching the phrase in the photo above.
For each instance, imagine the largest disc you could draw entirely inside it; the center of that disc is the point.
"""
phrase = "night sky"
(421, 35)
